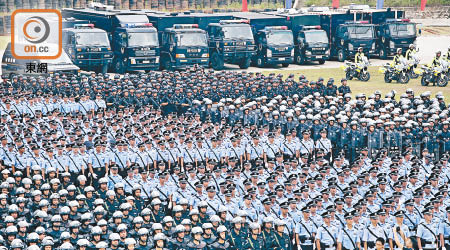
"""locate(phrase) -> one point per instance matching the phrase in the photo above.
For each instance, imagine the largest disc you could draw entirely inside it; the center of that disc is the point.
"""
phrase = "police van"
(34, 67)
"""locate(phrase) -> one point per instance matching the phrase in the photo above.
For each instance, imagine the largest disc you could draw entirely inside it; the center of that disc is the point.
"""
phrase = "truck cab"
(136, 47)
(231, 41)
(350, 36)
(275, 45)
(395, 34)
(88, 47)
(311, 45)
(184, 45)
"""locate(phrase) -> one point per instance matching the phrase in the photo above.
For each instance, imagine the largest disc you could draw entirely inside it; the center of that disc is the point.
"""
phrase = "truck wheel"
(383, 53)
(119, 67)
(260, 62)
(104, 68)
(245, 63)
(341, 55)
(216, 61)
(299, 60)
(285, 65)
(321, 61)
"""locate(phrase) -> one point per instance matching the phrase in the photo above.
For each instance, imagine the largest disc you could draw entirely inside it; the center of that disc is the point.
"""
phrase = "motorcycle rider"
(436, 60)
(447, 56)
(410, 52)
(397, 58)
(359, 56)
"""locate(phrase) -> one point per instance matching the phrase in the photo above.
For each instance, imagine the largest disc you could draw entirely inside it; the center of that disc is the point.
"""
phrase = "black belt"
(370, 244)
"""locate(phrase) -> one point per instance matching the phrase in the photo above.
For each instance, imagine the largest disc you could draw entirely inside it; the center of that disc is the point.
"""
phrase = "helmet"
(114, 236)
(83, 242)
(207, 226)
(159, 236)
(438, 52)
(412, 46)
(16, 243)
(399, 50)
(101, 245)
(130, 241)
(360, 48)
(66, 246)
(197, 230)
(157, 226)
(65, 235)
(143, 231)
(179, 229)
(33, 237)
(221, 229)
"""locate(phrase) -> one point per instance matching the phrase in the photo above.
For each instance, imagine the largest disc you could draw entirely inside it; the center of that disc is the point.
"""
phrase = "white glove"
(443, 248)
(94, 175)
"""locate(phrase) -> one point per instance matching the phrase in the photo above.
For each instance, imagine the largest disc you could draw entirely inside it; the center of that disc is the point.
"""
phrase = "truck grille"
(145, 53)
(96, 55)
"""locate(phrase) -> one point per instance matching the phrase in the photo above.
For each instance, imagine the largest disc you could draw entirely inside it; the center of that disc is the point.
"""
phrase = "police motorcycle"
(397, 72)
(434, 75)
(357, 70)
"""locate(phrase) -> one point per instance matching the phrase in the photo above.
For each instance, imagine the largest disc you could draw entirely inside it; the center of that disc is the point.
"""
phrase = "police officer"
(349, 235)
(427, 232)
(326, 237)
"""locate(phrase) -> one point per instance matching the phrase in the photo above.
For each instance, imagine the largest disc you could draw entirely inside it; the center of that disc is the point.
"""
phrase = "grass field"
(376, 82)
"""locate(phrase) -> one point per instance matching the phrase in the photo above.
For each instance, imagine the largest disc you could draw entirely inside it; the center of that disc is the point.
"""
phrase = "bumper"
(393, 51)
(316, 57)
(277, 60)
(146, 63)
(366, 51)
(182, 63)
(230, 56)
(92, 62)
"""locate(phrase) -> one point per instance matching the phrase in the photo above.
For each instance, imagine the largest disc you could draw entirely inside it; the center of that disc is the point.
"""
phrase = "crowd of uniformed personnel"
(199, 159)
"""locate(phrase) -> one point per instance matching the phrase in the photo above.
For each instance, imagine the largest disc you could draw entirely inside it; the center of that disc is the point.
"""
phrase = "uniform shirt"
(306, 229)
(349, 237)
(327, 235)
(428, 232)
(405, 231)
(306, 146)
(325, 144)
(444, 229)
(371, 233)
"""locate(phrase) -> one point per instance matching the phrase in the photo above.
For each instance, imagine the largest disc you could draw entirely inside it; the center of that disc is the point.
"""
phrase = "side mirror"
(378, 33)
(417, 49)
(420, 32)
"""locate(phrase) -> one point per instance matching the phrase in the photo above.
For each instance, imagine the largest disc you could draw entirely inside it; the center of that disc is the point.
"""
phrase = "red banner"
(422, 4)
(335, 4)
(244, 6)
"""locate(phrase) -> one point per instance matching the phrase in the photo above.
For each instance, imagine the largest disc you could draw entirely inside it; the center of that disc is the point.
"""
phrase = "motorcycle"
(397, 72)
(434, 75)
(353, 70)
(445, 66)
(413, 71)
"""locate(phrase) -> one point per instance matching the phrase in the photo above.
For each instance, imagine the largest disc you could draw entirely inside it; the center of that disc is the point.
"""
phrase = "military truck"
(133, 38)
(346, 33)
(88, 47)
(311, 41)
(183, 43)
(274, 42)
(393, 30)
(231, 41)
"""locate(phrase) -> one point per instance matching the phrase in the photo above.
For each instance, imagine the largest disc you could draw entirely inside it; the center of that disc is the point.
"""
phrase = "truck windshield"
(237, 32)
(191, 39)
(92, 39)
(360, 32)
(280, 38)
(402, 29)
(143, 39)
(319, 36)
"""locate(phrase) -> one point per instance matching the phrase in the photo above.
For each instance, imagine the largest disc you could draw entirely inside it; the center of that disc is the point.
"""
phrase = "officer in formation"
(232, 160)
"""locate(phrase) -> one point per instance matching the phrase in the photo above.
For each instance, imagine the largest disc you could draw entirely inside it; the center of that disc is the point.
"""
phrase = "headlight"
(350, 46)
(308, 53)
(157, 59)
(107, 55)
(204, 55)
(391, 44)
(327, 52)
(227, 48)
(292, 52)
(373, 46)
(133, 61)
(269, 53)
(180, 56)
(80, 56)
